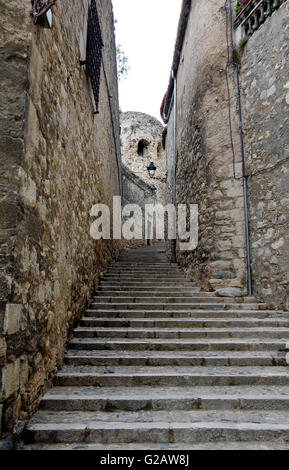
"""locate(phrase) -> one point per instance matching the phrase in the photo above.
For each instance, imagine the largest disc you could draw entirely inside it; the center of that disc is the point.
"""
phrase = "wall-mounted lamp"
(151, 169)
(41, 12)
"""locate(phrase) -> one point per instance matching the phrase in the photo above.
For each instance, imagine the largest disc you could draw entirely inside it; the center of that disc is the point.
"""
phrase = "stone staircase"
(156, 364)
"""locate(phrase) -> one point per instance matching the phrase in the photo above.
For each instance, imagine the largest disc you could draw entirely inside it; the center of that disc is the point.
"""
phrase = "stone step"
(149, 277)
(132, 261)
(158, 426)
(141, 284)
(129, 344)
(175, 358)
(189, 313)
(157, 293)
(164, 322)
(166, 270)
(165, 333)
(135, 376)
(166, 398)
(123, 447)
(167, 292)
(147, 289)
(191, 299)
(186, 304)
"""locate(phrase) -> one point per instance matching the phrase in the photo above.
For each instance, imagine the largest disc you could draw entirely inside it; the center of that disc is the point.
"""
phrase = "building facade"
(230, 152)
(59, 155)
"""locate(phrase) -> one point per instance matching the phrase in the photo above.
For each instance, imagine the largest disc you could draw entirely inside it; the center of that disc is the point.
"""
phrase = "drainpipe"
(244, 176)
(174, 242)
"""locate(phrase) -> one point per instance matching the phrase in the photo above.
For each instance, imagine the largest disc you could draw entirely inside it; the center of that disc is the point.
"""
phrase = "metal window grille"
(94, 51)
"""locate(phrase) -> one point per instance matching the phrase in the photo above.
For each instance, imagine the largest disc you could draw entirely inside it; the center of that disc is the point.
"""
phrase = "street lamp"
(151, 170)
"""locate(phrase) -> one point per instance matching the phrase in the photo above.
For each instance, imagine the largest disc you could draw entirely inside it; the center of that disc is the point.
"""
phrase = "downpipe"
(174, 242)
(244, 177)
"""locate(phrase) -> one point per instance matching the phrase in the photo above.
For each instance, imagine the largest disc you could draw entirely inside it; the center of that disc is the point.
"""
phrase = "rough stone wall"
(57, 161)
(265, 87)
(135, 191)
(139, 127)
(204, 154)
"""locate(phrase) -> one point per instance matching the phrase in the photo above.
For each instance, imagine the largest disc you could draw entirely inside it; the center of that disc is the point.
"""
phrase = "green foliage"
(237, 7)
(122, 63)
(243, 41)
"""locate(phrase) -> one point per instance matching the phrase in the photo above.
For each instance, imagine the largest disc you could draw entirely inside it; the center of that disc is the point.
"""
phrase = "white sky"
(146, 30)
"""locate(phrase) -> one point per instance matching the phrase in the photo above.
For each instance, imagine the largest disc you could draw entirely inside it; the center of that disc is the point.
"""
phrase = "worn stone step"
(134, 376)
(166, 398)
(144, 283)
(165, 333)
(147, 271)
(164, 322)
(144, 277)
(224, 445)
(185, 313)
(158, 426)
(140, 293)
(129, 344)
(144, 262)
(167, 292)
(147, 290)
(181, 299)
(186, 304)
(175, 358)
(147, 282)
(124, 269)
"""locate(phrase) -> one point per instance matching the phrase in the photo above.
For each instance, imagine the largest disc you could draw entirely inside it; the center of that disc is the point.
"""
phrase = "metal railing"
(254, 14)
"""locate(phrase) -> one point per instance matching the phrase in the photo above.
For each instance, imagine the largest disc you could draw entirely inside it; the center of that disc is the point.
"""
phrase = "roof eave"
(182, 28)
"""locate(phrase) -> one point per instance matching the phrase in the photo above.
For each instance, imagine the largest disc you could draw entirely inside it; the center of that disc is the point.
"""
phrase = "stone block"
(24, 373)
(5, 289)
(35, 71)
(229, 292)
(32, 129)
(1, 411)
(3, 349)
(10, 151)
(9, 382)
(220, 264)
(238, 242)
(8, 212)
(12, 319)
(28, 190)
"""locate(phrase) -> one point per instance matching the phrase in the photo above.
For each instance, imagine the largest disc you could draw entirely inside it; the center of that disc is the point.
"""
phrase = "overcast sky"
(146, 30)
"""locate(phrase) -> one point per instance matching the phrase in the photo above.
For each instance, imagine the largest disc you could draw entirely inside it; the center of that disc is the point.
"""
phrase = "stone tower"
(141, 143)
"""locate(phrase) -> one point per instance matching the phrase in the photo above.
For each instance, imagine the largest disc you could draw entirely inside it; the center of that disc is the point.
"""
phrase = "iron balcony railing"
(254, 14)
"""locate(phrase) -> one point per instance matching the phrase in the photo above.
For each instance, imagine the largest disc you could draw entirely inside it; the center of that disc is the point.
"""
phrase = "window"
(142, 148)
(94, 51)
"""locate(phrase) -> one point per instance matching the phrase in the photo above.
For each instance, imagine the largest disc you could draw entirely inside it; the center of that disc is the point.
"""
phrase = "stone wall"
(141, 143)
(135, 191)
(57, 160)
(204, 153)
(265, 89)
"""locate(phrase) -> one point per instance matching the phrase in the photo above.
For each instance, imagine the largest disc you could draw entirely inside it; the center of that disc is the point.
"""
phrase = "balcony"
(253, 15)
